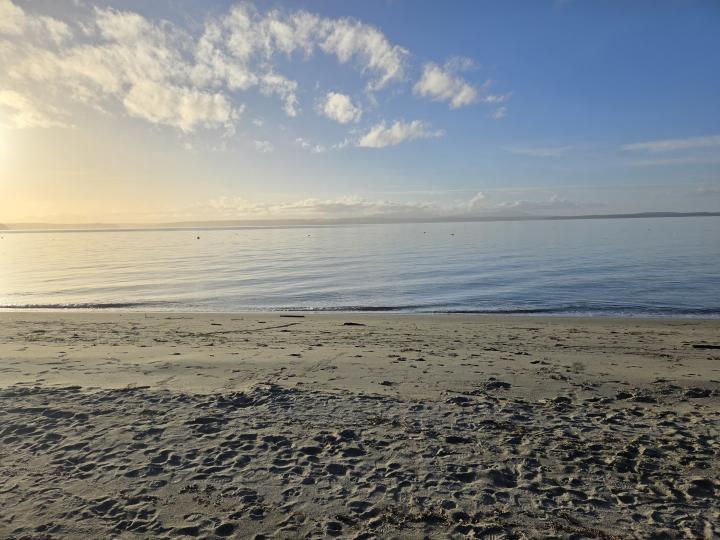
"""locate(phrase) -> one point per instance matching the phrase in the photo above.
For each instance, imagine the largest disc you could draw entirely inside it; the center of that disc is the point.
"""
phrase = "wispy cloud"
(22, 112)
(553, 204)
(539, 151)
(200, 76)
(15, 22)
(676, 161)
(180, 107)
(319, 148)
(500, 112)
(348, 206)
(264, 147)
(382, 135)
(442, 84)
(672, 145)
(708, 190)
(302, 142)
(12, 19)
(477, 204)
(124, 56)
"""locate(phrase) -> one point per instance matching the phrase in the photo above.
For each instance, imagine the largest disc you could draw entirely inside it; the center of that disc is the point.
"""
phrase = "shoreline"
(358, 425)
(380, 312)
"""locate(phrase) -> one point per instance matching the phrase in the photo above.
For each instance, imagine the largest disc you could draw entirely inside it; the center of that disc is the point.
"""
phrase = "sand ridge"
(358, 426)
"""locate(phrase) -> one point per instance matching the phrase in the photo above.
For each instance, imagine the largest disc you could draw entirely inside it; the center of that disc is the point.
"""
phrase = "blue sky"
(151, 111)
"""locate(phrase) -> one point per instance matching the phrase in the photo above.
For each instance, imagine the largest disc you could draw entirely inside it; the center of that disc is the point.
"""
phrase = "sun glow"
(4, 151)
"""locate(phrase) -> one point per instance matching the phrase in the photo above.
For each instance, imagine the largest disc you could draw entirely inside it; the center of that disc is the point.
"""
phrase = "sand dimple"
(390, 427)
(292, 463)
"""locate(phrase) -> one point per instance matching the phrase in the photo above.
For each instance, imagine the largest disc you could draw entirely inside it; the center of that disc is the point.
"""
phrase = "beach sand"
(168, 425)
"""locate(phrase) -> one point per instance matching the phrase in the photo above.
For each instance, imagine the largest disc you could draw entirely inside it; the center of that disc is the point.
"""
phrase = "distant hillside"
(440, 219)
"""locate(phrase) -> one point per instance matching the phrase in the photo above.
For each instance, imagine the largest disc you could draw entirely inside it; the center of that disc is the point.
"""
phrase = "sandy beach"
(170, 425)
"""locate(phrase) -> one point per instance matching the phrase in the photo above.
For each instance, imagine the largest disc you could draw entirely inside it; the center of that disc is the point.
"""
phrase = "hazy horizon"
(135, 112)
(310, 222)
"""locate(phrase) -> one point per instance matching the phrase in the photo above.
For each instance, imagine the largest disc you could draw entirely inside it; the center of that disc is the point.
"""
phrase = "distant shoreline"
(539, 314)
(282, 223)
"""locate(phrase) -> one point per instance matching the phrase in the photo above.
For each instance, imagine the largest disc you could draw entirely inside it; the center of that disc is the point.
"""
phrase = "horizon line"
(320, 222)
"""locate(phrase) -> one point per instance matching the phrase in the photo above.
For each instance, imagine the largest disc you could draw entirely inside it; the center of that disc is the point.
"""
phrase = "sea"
(655, 267)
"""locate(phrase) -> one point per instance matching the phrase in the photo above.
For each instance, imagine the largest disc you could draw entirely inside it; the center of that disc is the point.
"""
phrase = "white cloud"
(137, 63)
(354, 206)
(381, 135)
(311, 208)
(15, 22)
(132, 51)
(264, 147)
(56, 30)
(237, 50)
(122, 62)
(499, 113)
(340, 108)
(478, 201)
(342, 144)
(480, 204)
(460, 63)
(273, 83)
(23, 113)
(214, 66)
(303, 142)
(554, 203)
(122, 26)
(496, 98)
(441, 84)
(349, 206)
(671, 145)
(232, 43)
(351, 40)
(12, 19)
(318, 149)
(183, 108)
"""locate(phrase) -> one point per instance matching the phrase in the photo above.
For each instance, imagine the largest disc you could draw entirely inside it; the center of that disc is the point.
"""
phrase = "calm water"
(631, 267)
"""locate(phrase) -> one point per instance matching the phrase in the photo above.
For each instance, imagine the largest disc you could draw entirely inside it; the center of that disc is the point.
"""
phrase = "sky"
(173, 110)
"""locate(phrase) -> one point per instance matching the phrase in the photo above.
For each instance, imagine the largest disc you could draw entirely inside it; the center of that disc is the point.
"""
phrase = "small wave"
(346, 308)
(590, 309)
(86, 305)
(568, 310)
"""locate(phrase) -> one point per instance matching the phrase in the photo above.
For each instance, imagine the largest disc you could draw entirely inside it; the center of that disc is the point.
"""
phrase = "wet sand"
(168, 425)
